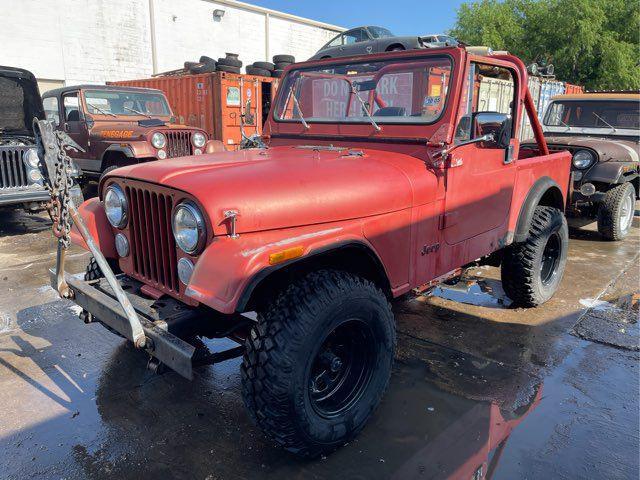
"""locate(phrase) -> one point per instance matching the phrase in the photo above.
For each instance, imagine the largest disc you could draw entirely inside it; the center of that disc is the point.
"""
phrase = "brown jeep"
(118, 126)
(602, 131)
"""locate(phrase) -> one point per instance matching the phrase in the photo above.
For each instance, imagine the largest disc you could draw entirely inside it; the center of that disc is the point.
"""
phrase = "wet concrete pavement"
(478, 391)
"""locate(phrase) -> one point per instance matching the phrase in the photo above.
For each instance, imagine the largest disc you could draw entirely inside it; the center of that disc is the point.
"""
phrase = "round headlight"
(583, 158)
(115, 206)
(35, 175)
(31, 157)
(188, 227)
(185, 270)
(122, 245)
(158, 140)
(199, 139)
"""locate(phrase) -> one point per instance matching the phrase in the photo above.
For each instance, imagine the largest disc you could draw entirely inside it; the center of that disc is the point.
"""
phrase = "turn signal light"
(284, 255)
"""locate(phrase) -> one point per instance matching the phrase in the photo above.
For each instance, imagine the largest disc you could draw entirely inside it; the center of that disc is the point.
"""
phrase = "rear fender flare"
(545, 191)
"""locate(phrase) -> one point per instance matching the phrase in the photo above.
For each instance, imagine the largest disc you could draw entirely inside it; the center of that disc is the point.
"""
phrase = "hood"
(20, 101)
(284, 187)
(608, 149)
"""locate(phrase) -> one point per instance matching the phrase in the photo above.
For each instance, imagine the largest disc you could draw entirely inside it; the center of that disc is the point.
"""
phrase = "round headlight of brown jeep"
(115, 206)
(189, 228)
(583, 159)
(158, 140)
(198, 140)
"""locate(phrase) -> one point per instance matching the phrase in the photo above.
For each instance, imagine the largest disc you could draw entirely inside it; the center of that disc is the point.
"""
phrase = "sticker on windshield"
(430, 101)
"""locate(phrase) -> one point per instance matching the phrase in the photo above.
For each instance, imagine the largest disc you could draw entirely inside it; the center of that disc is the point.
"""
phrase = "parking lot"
(478, 389)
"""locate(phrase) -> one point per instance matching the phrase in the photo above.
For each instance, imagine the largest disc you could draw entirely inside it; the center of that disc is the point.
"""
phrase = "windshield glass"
(594, 114)
(117, 102)
(379, 32)
(389, 91)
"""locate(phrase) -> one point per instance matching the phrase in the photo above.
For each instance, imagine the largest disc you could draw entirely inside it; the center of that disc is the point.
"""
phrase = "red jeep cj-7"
(383, 175)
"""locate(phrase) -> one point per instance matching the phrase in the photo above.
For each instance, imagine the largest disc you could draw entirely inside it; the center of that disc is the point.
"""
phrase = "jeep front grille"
(178, 143)
(13, 173)
(153, 247)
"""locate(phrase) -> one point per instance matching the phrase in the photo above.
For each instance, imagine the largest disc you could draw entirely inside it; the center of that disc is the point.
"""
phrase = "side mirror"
(493, 123)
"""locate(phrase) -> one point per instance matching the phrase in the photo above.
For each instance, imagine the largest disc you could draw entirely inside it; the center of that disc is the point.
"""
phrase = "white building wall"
(93, 41)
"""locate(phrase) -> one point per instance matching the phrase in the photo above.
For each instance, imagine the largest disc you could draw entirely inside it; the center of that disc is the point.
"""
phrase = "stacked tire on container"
(230, 63)
(271, 69)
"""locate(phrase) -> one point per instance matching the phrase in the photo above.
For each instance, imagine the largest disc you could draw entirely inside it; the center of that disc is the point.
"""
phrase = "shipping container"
(534, 87)
(219, 103)
(570, 88)
(548, 90)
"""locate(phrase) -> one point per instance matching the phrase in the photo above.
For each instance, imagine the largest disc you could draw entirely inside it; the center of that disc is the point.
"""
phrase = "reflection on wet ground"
(478, 391)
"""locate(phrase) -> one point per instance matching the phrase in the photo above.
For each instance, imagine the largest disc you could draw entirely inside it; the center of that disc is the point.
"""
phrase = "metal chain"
(60, 193)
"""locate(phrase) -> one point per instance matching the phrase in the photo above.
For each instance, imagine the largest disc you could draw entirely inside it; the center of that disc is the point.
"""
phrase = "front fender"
(612, 172)
(228, 265)
(96, 222)
(135, 149)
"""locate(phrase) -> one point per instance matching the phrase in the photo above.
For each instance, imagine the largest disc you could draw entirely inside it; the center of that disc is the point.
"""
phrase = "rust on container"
(219, 103)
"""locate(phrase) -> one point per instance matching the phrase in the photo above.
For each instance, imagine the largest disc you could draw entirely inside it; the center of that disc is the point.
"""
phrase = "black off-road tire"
(610, 212)
(277, 73)
(264, 65)
(284, 59)
(258, 71)
(524, 279)
(93, 272)
(229, 62)
(283, 347)
(205, 59)
(228, 69)
(281, 65)
(107, 170)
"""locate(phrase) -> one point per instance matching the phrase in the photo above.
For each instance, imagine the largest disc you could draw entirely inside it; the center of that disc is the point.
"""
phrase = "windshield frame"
(87, 101)
(598, 130)
(282, 92)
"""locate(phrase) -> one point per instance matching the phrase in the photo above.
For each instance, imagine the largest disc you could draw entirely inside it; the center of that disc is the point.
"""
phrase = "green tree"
(595, 43)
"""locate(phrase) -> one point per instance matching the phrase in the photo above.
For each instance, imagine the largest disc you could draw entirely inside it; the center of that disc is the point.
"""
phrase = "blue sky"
(402, 17)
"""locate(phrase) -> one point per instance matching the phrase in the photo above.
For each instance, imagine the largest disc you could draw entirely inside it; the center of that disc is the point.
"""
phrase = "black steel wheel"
(318, 361)
(341, 368)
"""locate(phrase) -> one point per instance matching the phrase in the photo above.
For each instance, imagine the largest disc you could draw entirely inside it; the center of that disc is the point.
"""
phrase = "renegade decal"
(117, 133)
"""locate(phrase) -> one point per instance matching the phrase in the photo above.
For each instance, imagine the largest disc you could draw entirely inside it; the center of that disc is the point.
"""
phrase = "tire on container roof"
(205, 59)
(277, 73)
(230, 62)
(281, 65)
(203, 68)
(251, 70)
(284, 59)
(264, 65)
(228, 68)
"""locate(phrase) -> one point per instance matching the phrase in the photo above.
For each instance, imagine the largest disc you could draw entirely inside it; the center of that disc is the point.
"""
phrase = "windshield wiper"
(564, 124)
(604, 121)
(297, 108)
(138, 112)
(365, 109)
(100, 110)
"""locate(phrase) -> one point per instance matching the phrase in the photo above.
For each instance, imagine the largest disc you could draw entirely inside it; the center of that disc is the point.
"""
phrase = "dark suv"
(21, 182)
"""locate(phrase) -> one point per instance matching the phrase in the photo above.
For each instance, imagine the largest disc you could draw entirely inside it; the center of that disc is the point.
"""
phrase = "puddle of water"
(481, 293)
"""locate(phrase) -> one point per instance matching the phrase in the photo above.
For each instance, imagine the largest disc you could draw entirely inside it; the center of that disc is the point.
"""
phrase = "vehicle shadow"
(15, 222)
(448, 411)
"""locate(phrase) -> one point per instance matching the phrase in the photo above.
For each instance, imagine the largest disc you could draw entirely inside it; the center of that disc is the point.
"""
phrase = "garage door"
(46, 85)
